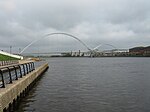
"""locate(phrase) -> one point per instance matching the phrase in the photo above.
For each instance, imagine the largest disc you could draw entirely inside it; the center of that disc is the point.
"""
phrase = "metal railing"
(13, 72)
(9, 62)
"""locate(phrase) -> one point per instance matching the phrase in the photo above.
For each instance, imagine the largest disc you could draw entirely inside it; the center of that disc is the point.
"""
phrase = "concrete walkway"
(11, 92)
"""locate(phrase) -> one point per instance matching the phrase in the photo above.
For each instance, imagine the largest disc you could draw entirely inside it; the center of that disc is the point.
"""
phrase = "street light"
(19, 50)
(10, 49)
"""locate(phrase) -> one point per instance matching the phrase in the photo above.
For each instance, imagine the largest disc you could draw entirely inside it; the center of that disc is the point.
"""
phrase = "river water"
(92, 85)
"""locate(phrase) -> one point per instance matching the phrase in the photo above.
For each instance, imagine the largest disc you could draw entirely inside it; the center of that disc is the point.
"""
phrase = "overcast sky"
(122, 23)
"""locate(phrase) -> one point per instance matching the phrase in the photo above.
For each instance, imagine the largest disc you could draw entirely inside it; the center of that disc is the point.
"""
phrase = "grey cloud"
(123, 23)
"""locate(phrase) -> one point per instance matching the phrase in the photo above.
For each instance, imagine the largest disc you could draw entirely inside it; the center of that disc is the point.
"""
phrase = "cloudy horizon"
(122, 23)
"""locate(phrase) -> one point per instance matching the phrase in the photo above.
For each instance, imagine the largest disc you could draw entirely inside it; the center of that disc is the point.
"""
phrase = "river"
(91, 85)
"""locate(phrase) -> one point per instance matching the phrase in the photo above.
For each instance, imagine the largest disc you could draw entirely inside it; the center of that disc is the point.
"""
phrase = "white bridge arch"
(50, 34)
(90, 51)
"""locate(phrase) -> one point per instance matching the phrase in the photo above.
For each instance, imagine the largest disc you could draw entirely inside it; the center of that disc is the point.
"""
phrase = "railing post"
(30, 67)
(10, 78)
(3, 82)
(20, 71)
(27, 68)
(24, 70)
(15, 73)
(33, 66)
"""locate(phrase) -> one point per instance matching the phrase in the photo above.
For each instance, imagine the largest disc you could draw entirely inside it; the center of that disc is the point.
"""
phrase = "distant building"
(137, 51)
(147, 51)
(140, 51)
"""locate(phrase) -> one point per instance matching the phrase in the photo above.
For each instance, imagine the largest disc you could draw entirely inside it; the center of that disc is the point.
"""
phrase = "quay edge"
(12, 92)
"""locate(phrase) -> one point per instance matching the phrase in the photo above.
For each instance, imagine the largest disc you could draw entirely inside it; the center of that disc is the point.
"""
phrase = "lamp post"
(10, 49)
(19, 50)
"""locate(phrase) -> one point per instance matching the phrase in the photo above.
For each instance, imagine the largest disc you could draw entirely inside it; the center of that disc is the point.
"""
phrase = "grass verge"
(6, 58)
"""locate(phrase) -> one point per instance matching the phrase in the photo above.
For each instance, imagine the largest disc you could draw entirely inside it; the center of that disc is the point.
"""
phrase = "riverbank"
(10, 95)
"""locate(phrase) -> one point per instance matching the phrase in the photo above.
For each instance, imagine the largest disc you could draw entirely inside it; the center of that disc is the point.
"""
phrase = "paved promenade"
(10, 94)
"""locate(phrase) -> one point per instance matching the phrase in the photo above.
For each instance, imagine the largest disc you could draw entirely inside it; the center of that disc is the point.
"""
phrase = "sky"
(121, 23)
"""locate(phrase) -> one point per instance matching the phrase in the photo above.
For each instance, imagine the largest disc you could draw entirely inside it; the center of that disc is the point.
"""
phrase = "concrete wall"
(8, 94)
(11, 55)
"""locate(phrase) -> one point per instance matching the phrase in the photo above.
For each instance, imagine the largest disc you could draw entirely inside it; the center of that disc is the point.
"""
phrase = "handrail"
(20, 70)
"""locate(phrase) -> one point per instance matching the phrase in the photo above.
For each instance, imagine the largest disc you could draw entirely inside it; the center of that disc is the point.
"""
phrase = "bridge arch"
(103, 45)
(50, 34)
